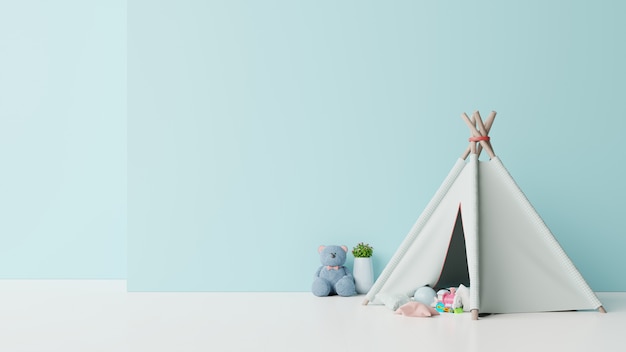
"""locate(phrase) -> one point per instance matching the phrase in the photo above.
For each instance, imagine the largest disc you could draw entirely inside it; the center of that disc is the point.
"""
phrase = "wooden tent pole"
(481, 130)
(478, 133)
(471, 148)
(475, 133)
(487, 127)
(466, 153)
(468, 150)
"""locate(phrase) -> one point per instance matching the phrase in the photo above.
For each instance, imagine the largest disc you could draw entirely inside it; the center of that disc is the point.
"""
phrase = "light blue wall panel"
(259, 130)
(63, 139)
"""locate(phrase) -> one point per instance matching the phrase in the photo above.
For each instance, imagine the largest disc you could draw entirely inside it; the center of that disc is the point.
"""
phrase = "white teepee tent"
(480, 230)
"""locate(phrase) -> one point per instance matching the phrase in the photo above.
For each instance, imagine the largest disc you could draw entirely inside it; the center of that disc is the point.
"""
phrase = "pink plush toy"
(447, 297)
(416, 309)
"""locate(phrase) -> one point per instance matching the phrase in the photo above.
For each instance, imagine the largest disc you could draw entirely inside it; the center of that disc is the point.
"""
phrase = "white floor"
(91, 316)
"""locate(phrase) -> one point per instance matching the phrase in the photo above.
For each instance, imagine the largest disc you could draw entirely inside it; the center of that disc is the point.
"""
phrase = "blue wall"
(63, 139)
(259, 130)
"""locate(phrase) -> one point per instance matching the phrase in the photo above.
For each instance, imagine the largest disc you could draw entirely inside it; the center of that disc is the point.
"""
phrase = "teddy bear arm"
(348, 273)
(317, 272)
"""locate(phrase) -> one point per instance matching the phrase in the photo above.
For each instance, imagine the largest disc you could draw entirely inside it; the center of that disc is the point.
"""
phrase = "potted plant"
(363, 267)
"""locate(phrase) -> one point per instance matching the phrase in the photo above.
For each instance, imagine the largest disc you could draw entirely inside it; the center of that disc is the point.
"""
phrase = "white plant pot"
(363, 274)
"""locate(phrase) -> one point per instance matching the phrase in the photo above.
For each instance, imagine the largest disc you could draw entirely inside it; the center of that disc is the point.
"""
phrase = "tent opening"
(455, 271)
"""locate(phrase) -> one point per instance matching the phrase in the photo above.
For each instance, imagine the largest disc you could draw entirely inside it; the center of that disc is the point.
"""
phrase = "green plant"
(362, 250)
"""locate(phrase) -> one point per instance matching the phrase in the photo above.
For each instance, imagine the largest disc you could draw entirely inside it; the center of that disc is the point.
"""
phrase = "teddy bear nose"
(333, 255)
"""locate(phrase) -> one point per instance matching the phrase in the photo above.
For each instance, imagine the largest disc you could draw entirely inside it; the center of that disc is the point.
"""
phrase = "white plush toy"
(462, 298)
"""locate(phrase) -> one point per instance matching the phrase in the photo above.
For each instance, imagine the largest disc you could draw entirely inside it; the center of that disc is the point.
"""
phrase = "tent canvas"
(512, 261)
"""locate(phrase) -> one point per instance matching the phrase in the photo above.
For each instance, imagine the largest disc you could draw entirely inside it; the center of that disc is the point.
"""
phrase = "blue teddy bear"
(332, 278)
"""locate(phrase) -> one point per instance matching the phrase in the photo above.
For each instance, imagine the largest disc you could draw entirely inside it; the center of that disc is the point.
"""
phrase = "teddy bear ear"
(320, 248)
(345, 249)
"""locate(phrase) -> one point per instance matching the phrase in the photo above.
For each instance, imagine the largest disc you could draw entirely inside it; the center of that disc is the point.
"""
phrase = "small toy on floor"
(333, 278)
(462, 298)
(452, 300)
